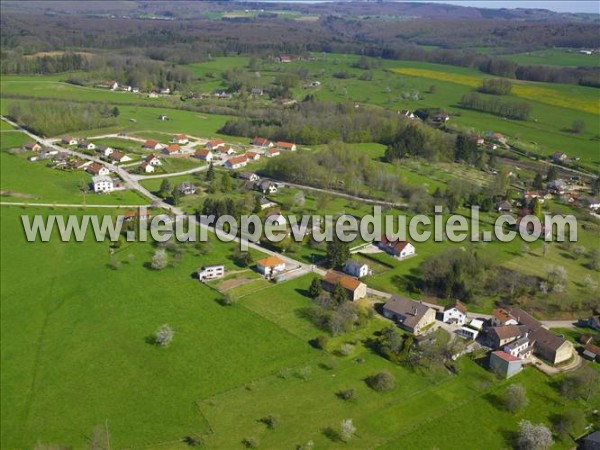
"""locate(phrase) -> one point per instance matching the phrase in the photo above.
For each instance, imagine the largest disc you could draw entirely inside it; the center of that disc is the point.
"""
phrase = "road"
(157, 202)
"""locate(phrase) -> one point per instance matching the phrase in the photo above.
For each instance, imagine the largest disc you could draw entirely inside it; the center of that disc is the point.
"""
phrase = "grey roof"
(354, 265)
(411, 312)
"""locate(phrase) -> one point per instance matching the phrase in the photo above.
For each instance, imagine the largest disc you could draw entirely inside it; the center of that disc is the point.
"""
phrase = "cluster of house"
(512, 334)
(490, 140)
(115, 86)
(102, 182)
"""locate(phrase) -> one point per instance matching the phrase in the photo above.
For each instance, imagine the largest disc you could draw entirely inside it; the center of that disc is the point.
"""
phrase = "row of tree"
(511, 110)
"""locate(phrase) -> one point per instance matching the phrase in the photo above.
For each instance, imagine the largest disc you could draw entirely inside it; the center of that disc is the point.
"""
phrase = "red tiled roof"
(271, 261)
(505, 356)
(237, 160)
(150, 143)
(333, 278)
(284, 144)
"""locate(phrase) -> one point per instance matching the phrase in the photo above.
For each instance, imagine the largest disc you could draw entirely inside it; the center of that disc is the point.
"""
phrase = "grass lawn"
(555, 57)
(58, 385)
(13, 139)
(37, 183)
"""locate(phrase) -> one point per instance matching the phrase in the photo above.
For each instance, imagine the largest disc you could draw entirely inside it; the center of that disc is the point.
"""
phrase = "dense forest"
(194, 40)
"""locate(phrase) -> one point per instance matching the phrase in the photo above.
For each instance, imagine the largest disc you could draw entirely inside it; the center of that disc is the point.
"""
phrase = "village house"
(354, 288)
(592, 440)
(214, 144)
(414, 317)
(408, 114)
(551, 347)
(146, 167)
(152, 145)
(33, 147)
(594, 322)
(440, 118)
(262, 142)
(249, 176)
(134, 214)
(468, 332)
(97, 169)
(591, 352)
(172, 149)
(265, 203)
(272, 152)
(204, 154)
(276, 218)
(397, 248)
(211, 272)
(559, 157)
(163, 117)
(521, 348)
(119, 157)
(181, 139)
(356, 269)
(103, 184)
(69, 141)
(504, 364)
(285, 146)
(455, 313)
(109, 84)
(252, 156)
(270, 266)
(236, 162)
(186, 188)
(478, 140)
(557, 187)
(165, 91)
(125, 88)
(503, 206)
(256, 92)
(501, 317)
(498, 337)
(153, 160)
(266, 187)
(86, 145)
(285, 59)
(104, 150)
(226, 150)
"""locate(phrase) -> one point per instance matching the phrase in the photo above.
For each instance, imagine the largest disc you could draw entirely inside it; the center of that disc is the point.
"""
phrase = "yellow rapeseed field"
(519, 89)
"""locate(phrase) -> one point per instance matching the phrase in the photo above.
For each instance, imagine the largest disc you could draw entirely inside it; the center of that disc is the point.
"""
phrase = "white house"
(153, 160)
(147, 167)
(252, 156)
(272, 152)
(87, 145)
(468, 333)
(204, 154)
(211, 272)
(285, 146)
(69, 141)
(119, 157)
(97, 169)
(270, 265)
(356, 269)
(267, 187)
(105, 151)
(152, 145)
(214, 144)
(399, 249)
(249, 176)
(237, 162)
(455, 313)
(276, 218)
(181, 139)
(103, 183)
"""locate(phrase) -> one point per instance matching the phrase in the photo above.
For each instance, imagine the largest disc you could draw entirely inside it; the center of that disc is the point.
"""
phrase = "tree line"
(502, 108)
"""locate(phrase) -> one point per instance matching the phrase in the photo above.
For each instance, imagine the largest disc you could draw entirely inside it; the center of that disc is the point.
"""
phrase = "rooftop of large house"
(524, 318)
(150, 143)
(271, 261)
(282, 144)
(237, 160)
(397, 245)
(458, 305)
(411, 310)
(507, 332)
(547, 339)
(333, 278)
(505, 356)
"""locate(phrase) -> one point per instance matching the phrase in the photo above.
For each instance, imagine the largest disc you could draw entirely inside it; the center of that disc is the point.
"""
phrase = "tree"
(534, 437)
(242, 259)
(176, 196)
(164, 335)
(537, 208)
(210, 172)
(570, 422)
(347, 394)
(382, 381)
(225, 182)
(315, 288)
(271, 421)
(538, 181)
(578, 126)
(257, 205)
(347, 430)
(338, 252)
(552, 173)
(515, 398)
(159, 259)
(165, 189)
(116, 112)
(339, 294)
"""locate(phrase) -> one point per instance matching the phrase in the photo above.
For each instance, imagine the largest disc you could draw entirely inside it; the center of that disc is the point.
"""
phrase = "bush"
(164, 335)
(347, 394)
(346, 349)
(382, 381)
(250, 442)
(271, 421)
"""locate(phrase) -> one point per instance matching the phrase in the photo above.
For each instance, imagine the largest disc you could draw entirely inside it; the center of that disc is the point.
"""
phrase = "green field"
(57, 386)
(555, 57)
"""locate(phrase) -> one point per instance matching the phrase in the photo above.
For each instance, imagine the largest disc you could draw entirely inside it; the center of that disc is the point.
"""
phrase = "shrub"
(164, 335)
(346, 349)
(271, 421)
(347, 394)
(382, 381)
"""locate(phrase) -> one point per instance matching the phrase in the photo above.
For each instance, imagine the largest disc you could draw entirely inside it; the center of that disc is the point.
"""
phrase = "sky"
(590, 6)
